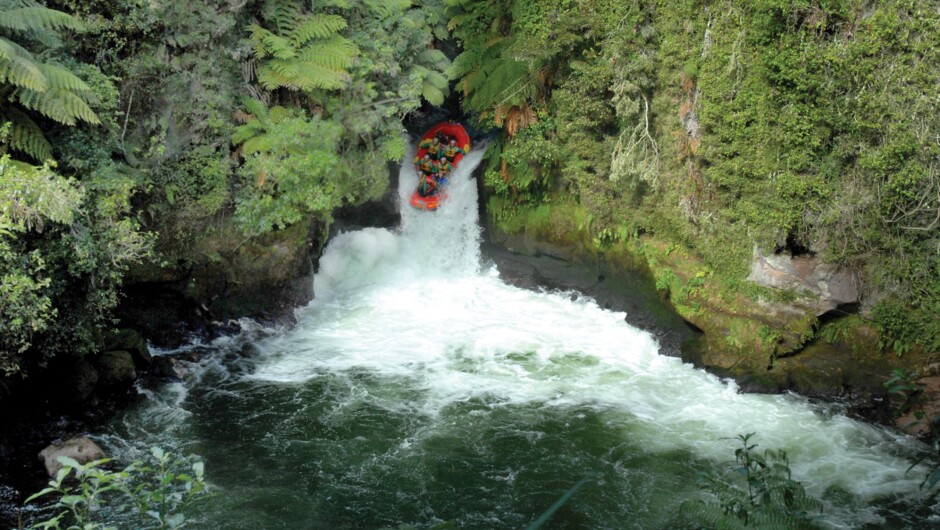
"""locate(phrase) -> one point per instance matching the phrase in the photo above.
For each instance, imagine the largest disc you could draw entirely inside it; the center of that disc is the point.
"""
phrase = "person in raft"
(428, 185)
(426, 165)
(443, 169)
(434, 147)
(451, 151)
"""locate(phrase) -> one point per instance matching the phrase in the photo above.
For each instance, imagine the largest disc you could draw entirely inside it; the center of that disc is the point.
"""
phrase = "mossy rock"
(130, 341)
(115, 370)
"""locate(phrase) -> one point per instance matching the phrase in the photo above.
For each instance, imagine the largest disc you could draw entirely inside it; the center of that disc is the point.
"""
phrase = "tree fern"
(314, 27)
(496, 81)
(40, 22)
(25, 136)
(301, 51)
(32, 85)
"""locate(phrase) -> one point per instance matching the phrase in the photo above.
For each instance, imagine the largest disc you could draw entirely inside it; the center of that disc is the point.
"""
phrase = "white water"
(415, 310)
(417, 305)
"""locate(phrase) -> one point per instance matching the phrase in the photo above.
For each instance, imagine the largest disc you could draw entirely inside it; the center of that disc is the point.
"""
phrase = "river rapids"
(417, 388)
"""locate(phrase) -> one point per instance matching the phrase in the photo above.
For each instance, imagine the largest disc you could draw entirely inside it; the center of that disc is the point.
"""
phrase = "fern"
(769, 500)
(317, 27)
(300, 51)
(709, 515)
(25, 136)
(33, 18)
(32, 85)
(497, 82)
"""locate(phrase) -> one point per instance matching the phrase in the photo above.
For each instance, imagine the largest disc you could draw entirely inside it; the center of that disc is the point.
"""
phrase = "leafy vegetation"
(757, 493)
(145, 494)
(172, 122)
(30, 85)
(921, 417)
(789, 126)
(64, 249)
(359, 86)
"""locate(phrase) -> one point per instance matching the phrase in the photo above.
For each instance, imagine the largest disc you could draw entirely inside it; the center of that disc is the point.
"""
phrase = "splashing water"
(418, 388)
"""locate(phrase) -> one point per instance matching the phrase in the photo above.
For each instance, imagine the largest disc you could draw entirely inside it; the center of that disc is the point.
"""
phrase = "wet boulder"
(130, 341)
(115, 370)
(81, 449)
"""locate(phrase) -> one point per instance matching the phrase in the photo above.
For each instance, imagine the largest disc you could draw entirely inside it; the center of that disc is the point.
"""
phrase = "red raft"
(449, 131)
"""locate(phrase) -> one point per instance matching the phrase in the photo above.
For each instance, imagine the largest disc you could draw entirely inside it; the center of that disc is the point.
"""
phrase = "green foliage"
(301, 51)
(757, 493)
(905, 385)
(28, 84)
(356, 119)
(291, 170)
(721, 126)
(900, 327)
(156, 491)
(64, 249)
(502, 76)
(30, 198)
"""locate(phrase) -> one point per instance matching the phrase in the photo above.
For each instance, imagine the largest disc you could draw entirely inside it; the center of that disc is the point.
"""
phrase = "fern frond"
(432, 94)
(456, 21)
(300, 76)
(773, 520)
(336, 53)
(276, 73)
(58, 104)
(7, 50)
(258, 144)
(25, 136)
(708, 515)
(313, 76)
(37, 19)
(59, 77)
(278, 114)
(283, 13)
(316, 27)
(266, 43)
(22, 72)
(256, 108)
(437, 80)
(464, 64)
(434, 58)
(247, 131)
(386, 8)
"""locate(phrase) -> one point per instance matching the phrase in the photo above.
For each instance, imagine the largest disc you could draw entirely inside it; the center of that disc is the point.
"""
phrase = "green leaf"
(40, 493)
(71, 500)
(68, 462)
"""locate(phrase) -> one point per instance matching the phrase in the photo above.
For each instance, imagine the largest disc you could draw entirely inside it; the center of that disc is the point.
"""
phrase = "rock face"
(199, 285)
(824, 286)
(81, 448)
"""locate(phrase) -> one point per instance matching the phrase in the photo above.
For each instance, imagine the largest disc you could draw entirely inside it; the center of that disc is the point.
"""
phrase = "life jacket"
(451, 152)
(435, 150)
(426, 166)
(444, 167)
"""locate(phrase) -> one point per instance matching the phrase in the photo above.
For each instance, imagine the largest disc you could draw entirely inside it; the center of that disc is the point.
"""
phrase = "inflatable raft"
(432, 200)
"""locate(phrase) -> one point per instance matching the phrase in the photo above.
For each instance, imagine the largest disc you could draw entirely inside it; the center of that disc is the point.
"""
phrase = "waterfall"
(418, 388)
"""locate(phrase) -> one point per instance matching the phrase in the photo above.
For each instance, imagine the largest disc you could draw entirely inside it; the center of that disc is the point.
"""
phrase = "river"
(418, 388)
